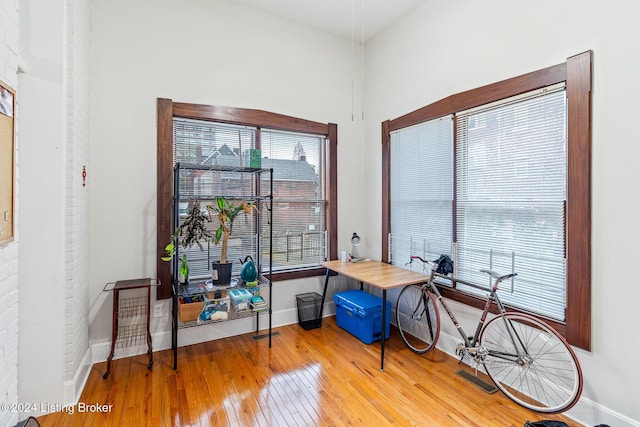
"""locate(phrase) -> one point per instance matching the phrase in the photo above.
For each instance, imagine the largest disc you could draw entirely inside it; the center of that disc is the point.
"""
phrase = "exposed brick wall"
(9, 252)
(77, 158)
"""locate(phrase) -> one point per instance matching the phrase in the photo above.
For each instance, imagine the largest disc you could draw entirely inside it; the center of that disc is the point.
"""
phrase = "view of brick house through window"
(297, 161)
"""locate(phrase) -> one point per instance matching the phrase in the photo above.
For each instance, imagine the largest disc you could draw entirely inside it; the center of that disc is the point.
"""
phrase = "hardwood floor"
(320, 377)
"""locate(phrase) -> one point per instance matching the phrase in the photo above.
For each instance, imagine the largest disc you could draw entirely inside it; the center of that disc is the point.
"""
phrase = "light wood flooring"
(320, 377)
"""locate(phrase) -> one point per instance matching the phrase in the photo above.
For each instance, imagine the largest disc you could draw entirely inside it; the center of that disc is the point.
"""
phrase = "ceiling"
(357, 20)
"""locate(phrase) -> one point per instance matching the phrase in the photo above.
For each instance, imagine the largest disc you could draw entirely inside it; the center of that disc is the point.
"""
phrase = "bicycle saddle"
(498, 276)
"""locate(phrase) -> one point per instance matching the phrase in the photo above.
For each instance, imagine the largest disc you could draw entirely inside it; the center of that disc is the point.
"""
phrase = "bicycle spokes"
(531, 363)
(417, 318)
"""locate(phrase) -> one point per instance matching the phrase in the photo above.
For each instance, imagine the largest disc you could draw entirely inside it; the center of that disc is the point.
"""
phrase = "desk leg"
(324, 293)
(149, 344)
(174, 328)
(384, 328)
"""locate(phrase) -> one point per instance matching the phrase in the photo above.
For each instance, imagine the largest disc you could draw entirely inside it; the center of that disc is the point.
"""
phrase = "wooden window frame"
(576, 73)
(167, 109)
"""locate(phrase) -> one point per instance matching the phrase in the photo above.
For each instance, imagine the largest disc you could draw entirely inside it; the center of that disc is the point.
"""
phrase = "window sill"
(298, 274)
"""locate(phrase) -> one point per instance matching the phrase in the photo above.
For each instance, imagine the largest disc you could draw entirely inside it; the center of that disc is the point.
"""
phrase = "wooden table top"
(376, 273)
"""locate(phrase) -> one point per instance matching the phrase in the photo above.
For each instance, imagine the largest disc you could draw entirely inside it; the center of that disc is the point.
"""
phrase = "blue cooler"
(360, 314)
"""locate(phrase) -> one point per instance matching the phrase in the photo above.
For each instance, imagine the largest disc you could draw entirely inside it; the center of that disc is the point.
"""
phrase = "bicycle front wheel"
(418, 318)
(531, 363)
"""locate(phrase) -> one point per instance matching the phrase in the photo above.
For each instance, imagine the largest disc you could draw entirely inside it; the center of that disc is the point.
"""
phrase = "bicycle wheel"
(541, 373)
(418, 318)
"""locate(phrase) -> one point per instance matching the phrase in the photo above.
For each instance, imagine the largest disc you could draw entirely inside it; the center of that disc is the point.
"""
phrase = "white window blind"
(510, 196)
(422, 190)
(511, 169)
(298, 162)
(198, 142)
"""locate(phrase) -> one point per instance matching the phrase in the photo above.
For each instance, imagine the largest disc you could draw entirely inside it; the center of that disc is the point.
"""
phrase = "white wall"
(9, 31)
(443, 48)
(209, 52)
(54, 270)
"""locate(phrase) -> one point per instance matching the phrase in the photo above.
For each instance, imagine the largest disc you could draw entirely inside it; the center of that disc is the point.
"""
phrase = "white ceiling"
(349, 19)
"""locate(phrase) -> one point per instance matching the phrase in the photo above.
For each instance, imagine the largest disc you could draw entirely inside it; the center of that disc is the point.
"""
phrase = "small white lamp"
(355, 241)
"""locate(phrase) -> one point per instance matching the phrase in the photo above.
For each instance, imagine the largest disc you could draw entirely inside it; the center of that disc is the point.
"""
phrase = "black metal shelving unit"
(204, 183)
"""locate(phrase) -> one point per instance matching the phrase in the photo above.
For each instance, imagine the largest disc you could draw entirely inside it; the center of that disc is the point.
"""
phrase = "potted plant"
(227, 212)
(192, 231)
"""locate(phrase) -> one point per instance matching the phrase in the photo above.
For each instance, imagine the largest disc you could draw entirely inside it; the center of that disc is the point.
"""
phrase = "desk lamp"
(355, 241)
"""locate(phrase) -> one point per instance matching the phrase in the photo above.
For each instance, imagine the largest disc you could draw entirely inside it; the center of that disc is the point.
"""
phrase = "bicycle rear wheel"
(418, 318)
(542, 373)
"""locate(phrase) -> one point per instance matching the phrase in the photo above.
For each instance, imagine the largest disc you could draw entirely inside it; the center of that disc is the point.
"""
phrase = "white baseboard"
(588, 412)
(73, 388)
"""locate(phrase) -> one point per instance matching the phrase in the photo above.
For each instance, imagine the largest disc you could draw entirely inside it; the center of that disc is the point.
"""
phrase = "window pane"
(422, 190)
(208, 143)
(198, 142)
(298, 179)
(511, 197)
(298, 160)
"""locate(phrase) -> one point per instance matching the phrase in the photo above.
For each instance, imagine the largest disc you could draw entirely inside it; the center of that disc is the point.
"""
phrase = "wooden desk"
(378, 274)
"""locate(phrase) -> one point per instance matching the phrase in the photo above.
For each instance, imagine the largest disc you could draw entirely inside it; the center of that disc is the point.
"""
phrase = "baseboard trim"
(73, 388)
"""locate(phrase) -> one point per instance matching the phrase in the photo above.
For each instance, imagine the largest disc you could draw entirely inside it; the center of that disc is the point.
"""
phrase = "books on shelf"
(258, 303)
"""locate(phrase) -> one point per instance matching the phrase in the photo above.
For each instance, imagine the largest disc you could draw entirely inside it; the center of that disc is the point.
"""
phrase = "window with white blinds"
(511, 181)
(509, 196)
(199, 142)
(298, 162)
(421, 190)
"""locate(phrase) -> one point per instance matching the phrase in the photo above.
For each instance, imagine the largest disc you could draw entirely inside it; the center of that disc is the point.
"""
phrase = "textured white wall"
(443, 48)
(78, 137)
(53, 259)
(9, 252)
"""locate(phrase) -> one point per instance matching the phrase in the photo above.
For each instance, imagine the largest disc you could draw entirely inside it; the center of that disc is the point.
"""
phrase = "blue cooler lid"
(368, 302)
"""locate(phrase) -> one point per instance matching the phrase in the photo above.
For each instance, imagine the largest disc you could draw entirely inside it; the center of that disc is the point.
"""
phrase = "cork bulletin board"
(7, 133)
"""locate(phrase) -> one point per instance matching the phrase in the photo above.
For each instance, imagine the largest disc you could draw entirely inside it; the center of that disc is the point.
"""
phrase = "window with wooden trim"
(302, 155)
(499, 177)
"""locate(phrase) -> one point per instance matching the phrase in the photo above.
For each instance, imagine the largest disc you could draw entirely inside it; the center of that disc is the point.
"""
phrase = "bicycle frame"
(471, 342)
(538, 371)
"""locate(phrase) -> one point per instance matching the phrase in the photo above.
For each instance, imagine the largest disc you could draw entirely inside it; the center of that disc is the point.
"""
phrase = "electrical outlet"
(157, 310)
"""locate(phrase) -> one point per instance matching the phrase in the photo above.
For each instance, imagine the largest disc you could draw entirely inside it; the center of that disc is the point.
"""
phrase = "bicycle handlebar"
(425, 261)
(498, 277)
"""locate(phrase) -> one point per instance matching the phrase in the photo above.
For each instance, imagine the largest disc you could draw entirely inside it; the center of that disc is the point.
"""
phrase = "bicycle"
(528, 360)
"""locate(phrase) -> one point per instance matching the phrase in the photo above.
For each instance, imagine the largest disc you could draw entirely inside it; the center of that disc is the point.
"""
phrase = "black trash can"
(309, 310)
(29, 422)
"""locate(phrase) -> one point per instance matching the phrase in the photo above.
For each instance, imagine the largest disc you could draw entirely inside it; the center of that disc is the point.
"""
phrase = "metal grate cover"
(489, 388)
